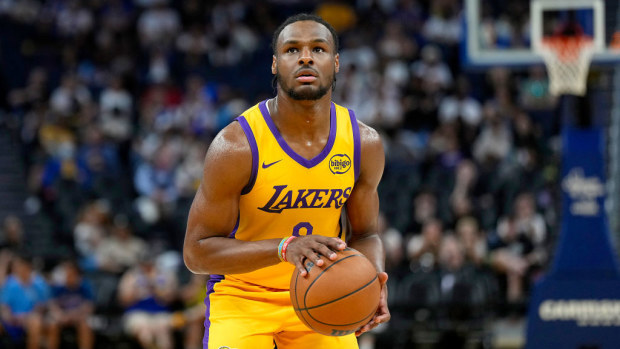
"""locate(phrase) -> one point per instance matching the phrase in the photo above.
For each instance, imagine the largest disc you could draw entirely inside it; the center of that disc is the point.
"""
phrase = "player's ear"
(337, 63)
(274, 67)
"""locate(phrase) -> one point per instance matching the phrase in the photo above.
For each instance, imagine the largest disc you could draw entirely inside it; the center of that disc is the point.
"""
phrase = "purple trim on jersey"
(234, 231)
(250, 136)
(210, 285)
(357, 148)
(288, 150)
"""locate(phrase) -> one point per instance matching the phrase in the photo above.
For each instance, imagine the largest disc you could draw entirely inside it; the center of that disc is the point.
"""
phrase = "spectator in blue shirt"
(70, 306)
(22, 302)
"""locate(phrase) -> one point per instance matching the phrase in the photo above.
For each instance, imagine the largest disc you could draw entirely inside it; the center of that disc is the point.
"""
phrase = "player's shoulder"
(368, 134)
(229, 152)
(233, 138)
(369, 137)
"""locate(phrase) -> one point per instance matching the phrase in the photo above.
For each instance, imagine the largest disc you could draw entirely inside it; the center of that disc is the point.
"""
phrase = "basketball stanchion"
(577, 304)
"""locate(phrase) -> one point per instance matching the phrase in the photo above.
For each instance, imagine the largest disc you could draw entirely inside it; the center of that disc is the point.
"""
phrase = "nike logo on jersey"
(305, 198)
(271, 164)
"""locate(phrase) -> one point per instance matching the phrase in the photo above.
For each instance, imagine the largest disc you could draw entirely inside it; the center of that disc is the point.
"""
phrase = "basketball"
(339, 297)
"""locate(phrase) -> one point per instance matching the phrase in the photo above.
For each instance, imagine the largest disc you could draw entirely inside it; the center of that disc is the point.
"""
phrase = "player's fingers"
(314, 257)
(383, 277)
(298, 262)
(326, 251)
(385, 317)
(334, 244)
(364, 328)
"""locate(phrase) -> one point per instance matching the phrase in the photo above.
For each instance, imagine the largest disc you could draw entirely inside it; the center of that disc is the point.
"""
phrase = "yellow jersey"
(288, 194)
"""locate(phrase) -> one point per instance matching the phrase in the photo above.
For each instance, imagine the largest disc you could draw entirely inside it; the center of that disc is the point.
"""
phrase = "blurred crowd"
(115, 103)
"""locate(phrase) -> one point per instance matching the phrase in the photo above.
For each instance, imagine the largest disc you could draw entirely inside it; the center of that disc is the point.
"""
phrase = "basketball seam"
(339, 298)
(336, 325)
(323, 271)
(300, 311)
(301, 314)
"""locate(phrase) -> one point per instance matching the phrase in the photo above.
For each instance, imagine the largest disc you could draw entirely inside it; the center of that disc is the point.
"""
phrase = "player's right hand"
(313, 248)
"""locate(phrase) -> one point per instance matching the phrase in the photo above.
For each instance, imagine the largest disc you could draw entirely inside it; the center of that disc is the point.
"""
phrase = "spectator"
(120, 250)
(12, 234)
(518, 251)
(393, 242)
(435, 74)
(35, 91)
(466, 191)
(495, 139)
(89, 231)
(424, 209)
(146, 293)
(197, 111)
(395, 44)
(71, 305)
(70, 98)
(444, 24)
(74, 20)
(189, 172)
(155, 180)
(423, 249)
(11, 243)
(461, 106)
(474, 243)
(23, 301)
(116, 107)
(99, 161)
(192, 295)
(158, 25)
(534, 91)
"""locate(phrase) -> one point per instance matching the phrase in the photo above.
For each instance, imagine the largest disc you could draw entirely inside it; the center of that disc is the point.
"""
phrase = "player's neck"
(306, 116)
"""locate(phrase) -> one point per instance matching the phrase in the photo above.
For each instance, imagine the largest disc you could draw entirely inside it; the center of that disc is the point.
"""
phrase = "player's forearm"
(372, 247)
(222, 255)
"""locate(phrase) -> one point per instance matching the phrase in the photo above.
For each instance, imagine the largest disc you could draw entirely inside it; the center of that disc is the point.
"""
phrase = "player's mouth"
(306, 75)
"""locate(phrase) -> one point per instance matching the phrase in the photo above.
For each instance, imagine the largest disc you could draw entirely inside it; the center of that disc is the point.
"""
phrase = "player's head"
(305, 57)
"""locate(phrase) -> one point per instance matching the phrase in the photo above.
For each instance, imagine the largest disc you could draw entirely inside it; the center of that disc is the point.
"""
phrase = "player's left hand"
(383, 313)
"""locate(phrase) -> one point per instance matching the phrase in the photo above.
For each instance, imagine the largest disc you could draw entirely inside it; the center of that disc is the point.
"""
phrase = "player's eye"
(292, 50)
(319, 49)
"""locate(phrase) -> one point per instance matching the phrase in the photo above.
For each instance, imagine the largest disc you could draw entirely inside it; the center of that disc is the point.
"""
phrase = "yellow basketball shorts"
(246, 316)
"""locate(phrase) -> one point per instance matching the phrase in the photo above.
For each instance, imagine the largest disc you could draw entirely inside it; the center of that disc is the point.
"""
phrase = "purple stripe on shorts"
(210, 285)
(357, 150)
(250, 136)
(288, 150)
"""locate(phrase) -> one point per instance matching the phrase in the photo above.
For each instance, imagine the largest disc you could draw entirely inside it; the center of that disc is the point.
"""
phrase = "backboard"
(507, 33)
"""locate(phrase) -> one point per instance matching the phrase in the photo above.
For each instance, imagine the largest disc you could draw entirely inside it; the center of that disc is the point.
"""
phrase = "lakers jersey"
(288, 194)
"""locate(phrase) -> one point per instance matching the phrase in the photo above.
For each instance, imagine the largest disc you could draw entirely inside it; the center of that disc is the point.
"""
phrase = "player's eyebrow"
(295, 42)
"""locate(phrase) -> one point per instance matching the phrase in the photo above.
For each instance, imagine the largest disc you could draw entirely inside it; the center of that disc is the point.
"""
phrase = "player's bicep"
(226, 171)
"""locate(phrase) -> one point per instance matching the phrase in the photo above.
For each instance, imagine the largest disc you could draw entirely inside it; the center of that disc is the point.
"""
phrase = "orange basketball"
(339, 297)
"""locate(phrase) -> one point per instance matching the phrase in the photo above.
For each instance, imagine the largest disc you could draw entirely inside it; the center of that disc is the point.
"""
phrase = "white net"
(567, 59)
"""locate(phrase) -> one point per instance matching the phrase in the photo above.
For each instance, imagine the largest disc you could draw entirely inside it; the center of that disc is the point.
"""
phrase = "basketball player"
(286, 167)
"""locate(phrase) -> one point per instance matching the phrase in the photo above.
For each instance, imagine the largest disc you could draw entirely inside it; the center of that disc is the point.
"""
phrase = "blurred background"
(107, 109)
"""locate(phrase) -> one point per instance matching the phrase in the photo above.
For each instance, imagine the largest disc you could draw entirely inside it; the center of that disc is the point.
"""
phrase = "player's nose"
(305, 57)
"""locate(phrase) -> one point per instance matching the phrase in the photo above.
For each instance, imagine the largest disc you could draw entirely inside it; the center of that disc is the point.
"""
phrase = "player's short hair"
(304, 17)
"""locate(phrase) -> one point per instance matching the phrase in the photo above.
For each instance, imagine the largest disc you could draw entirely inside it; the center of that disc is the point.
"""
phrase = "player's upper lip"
(306, 72)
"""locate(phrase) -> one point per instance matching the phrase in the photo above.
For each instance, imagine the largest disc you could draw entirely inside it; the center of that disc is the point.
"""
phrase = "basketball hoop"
(567, 59)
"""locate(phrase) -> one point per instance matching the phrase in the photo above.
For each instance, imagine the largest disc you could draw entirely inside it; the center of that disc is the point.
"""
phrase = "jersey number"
(304, 225)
